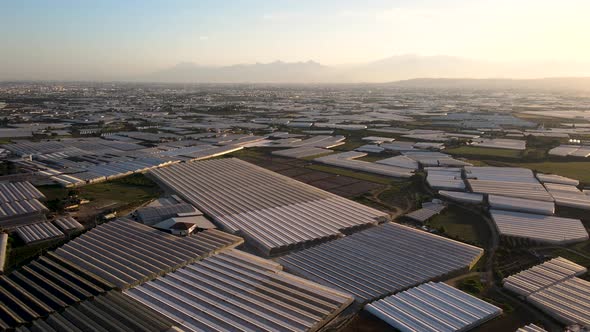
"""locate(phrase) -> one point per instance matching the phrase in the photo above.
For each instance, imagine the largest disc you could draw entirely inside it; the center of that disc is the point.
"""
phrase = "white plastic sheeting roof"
(554, 288)
(541, 228)
(277, 213)
(301, 152)
(435, 307)
(568, 195)
(553, 178)
(38, 232)
(346, 160)
(521, 205)
(128, 253)
(462, 197)
(67, 223)
(382, 260)
(531, 328)
(237, 291)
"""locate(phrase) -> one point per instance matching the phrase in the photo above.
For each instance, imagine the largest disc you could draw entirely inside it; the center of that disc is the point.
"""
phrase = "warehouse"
(539, 228)
(111, 312)
(127, 253)
(39, 232)
(273, 212)
(568, 195)
(301, 152)
(554, 288)
(382, 260)
(43, 286)
(433, 307)
(521, 205)
(241, 292)
(347, 160)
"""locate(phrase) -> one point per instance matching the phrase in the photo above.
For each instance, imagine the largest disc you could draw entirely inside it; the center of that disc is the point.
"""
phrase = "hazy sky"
(107, 38)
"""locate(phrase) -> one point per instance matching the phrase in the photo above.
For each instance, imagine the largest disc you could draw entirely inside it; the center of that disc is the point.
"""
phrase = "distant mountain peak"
(389, 69)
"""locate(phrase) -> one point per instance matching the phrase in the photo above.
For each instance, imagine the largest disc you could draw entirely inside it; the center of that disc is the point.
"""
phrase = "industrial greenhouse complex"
(292, 208)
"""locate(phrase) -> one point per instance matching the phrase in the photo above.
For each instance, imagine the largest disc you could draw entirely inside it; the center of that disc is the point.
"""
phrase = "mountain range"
(396, 68)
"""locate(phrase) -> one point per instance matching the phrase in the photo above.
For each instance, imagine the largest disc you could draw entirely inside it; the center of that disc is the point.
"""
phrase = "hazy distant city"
(161, 171)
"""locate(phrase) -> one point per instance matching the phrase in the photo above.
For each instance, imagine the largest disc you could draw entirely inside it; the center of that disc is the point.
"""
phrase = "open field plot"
(333, 179)
(579, 170)
(463, 225)
(472, 151)
(385, 193)
(116, 195)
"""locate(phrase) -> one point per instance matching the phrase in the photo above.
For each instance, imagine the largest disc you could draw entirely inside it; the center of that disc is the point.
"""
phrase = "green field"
(130, 189)
(579, 170)
(117, 194)
(470, 151)
(461, 224)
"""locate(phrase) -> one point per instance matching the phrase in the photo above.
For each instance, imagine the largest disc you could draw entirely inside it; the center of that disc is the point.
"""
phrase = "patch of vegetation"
(133, 188)
(118, 194)
(576, 169)
(471, 285)
(461, 224)
(19, 255)
(246, 153)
